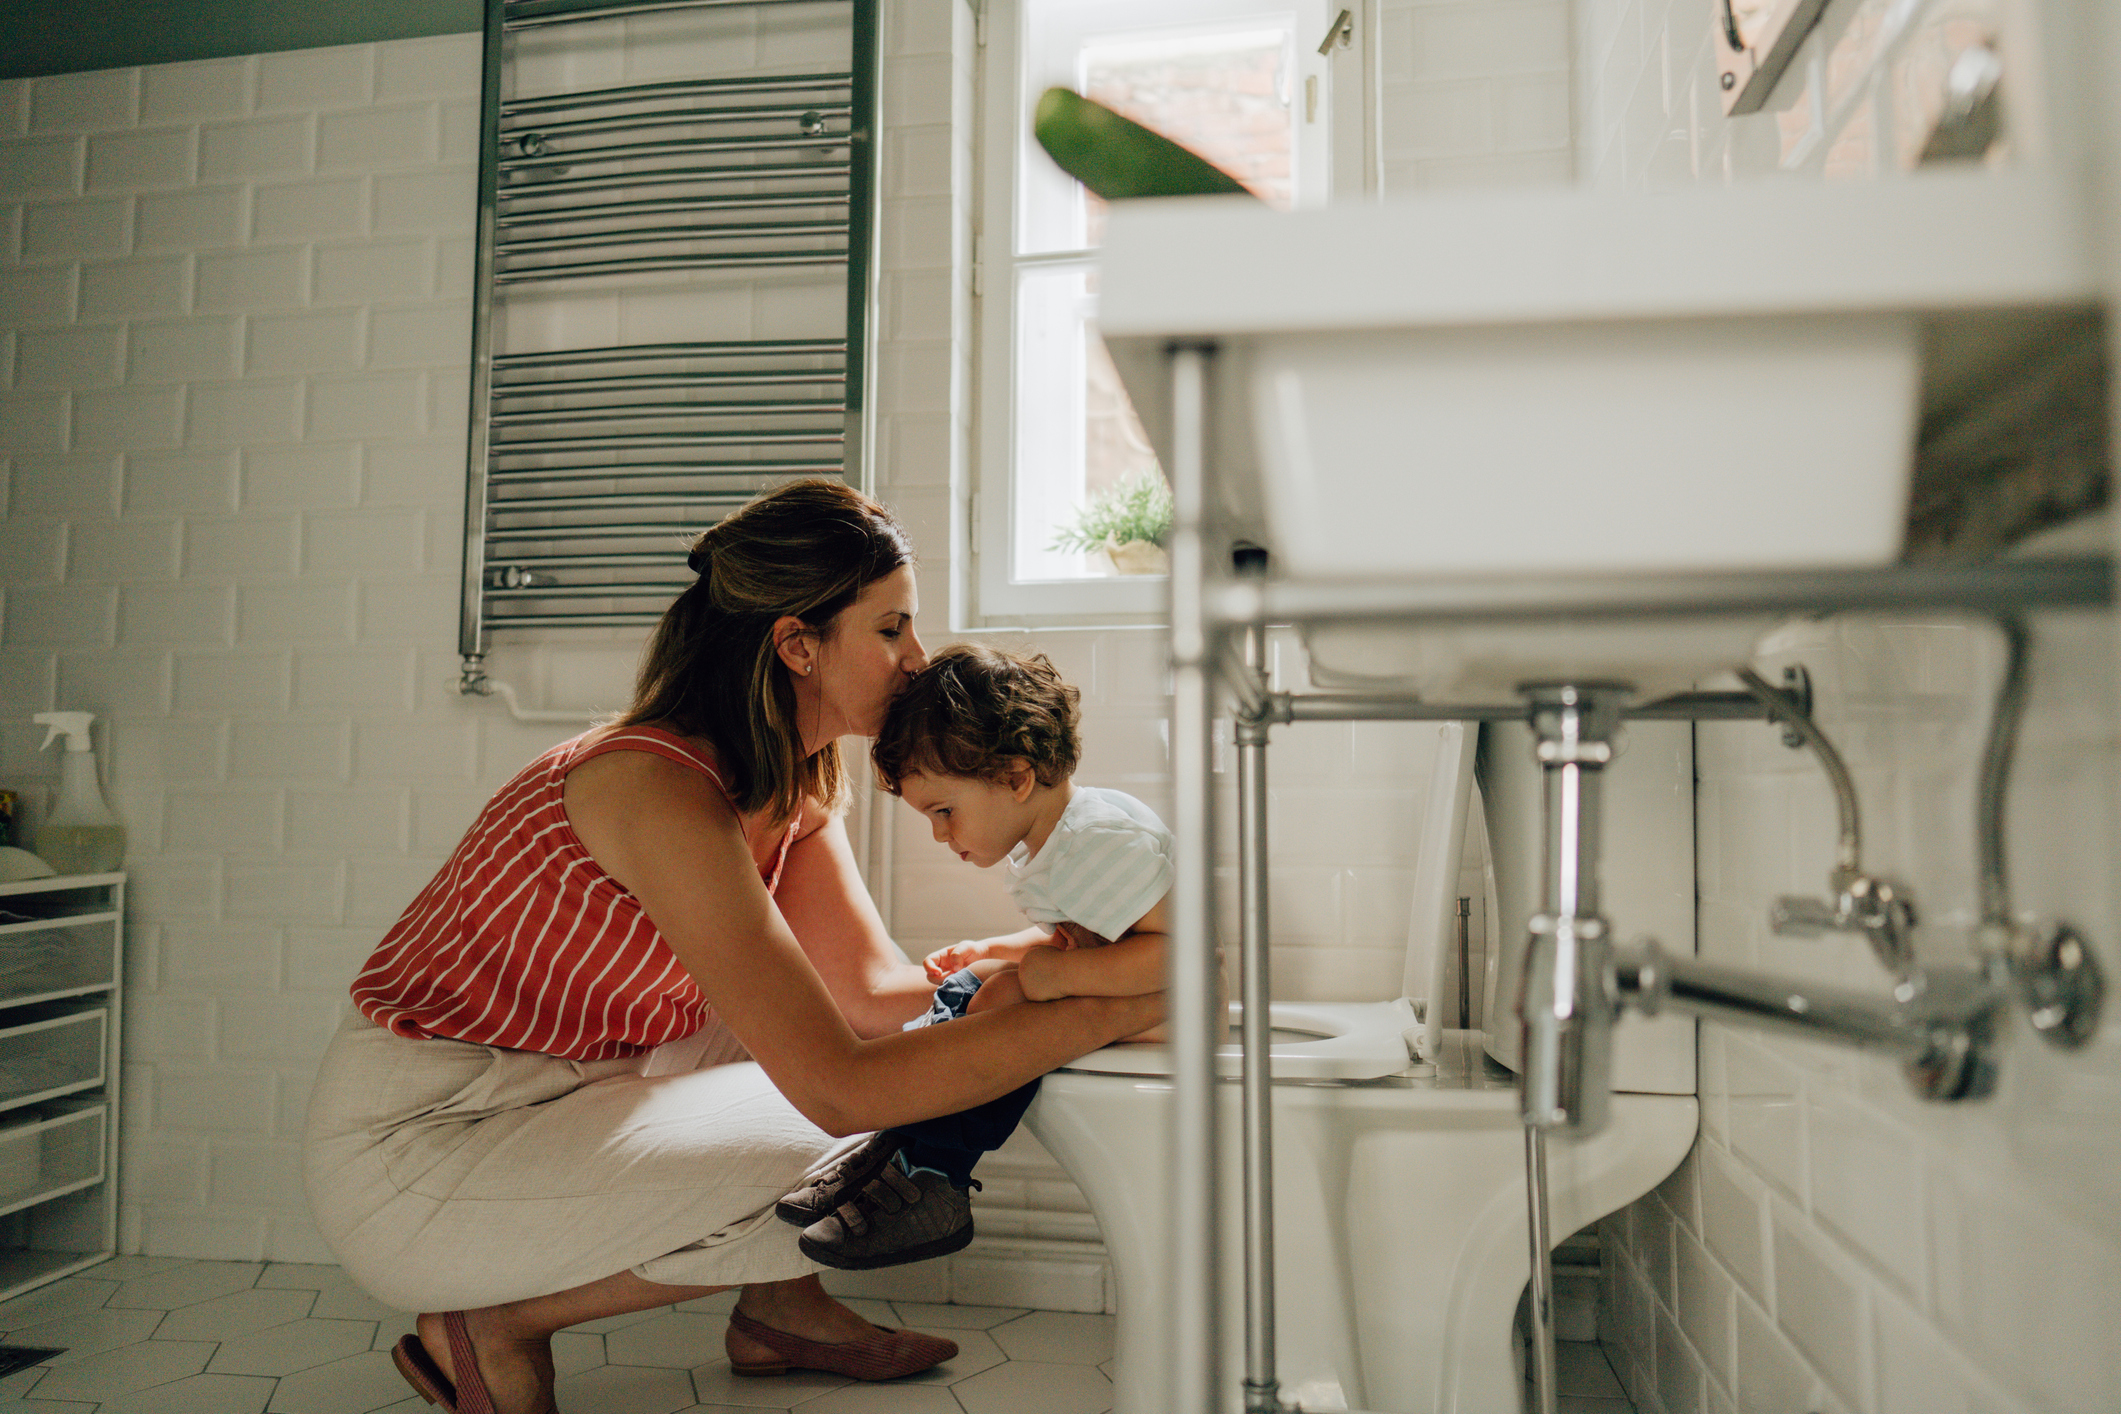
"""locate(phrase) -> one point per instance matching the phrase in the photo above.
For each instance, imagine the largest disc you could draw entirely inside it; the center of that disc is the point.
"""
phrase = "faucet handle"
(1794, 915)
(1881, 910)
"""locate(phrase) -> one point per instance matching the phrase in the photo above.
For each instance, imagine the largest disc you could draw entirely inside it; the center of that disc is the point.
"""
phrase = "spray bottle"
(81, 836)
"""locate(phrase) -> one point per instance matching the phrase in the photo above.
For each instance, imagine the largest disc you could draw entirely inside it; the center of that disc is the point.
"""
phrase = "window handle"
(1342, 29)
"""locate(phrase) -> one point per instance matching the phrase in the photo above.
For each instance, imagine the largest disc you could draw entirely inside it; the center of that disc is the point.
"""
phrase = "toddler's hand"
(955, 958)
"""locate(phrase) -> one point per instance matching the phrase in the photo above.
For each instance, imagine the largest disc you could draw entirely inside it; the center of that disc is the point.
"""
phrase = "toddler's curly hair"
(973, 711)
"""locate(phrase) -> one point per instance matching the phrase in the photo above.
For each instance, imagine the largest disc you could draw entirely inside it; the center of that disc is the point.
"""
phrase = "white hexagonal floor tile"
(199, 1394)
(895, 1397)
(243, 1313)
(298, 1345)
(111, 1376)
(1028, 1387)
(575, 1351)
(976, 1351)
(1057, 1338)
(354, 1385)
(716, 1383)
(90, 1333)
(67, 1297)
(187, 1285)
(303, 1276)
(401, 1323)
(127, 1268)
(922, 1316)
(675, 1340)
(626, 1389)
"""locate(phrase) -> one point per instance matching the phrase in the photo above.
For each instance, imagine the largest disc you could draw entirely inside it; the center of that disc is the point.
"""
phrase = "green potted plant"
(1126, 523)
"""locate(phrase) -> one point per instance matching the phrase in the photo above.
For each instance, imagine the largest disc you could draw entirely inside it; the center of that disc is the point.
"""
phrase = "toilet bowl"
(1400, 1225)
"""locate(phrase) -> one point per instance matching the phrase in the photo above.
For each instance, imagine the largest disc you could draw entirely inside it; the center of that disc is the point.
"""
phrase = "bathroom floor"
(158, 1335)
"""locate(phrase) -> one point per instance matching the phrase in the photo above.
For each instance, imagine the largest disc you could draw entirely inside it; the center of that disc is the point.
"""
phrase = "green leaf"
(1118, 158)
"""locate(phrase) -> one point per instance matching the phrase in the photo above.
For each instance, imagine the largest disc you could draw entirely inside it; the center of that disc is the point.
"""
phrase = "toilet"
(1401, 1246)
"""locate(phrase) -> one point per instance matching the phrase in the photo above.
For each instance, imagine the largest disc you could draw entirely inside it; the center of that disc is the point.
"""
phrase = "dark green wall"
(66, 36)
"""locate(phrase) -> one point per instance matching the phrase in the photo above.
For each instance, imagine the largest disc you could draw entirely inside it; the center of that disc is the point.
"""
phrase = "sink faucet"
(1566, 1003)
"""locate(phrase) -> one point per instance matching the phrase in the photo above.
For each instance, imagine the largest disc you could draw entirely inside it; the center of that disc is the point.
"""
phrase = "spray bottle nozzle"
(71, 725)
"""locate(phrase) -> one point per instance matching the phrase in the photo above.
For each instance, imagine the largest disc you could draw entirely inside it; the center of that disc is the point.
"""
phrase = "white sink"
(1559, 381)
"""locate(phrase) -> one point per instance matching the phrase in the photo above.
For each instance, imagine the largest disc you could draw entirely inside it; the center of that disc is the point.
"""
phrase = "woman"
(648, 990)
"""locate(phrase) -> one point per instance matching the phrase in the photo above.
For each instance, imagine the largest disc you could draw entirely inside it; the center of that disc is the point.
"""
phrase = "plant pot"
(1138, 557)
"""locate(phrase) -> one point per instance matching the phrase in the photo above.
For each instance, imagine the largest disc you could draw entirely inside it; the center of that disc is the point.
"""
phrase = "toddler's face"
(981, 820)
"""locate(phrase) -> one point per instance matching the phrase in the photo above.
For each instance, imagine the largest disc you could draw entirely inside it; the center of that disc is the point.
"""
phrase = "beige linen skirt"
(451, 1176)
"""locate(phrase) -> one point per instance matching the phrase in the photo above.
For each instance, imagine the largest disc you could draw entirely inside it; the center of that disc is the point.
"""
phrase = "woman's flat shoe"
(885, 1355)
(468, 1395)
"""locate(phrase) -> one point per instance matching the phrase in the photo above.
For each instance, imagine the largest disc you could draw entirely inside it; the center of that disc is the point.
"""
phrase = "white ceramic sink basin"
(1560, 381)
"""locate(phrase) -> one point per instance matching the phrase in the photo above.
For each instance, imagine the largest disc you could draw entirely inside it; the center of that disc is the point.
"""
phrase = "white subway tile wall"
(1472, 93)
(1833, 1243)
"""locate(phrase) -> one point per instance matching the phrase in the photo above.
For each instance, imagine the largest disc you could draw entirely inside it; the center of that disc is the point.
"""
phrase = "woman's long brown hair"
(712, 668)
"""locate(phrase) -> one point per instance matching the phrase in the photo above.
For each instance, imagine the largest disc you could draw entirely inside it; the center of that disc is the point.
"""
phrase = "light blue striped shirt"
(1107, 862)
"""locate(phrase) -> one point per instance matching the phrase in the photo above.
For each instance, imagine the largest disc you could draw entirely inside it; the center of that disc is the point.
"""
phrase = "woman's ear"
(796, 644)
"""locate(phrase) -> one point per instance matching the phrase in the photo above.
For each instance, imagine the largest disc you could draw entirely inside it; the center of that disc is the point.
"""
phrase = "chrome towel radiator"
(590, 468)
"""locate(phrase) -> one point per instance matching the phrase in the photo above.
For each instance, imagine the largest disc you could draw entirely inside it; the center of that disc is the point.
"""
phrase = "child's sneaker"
(895, 1217)
(837, 1181)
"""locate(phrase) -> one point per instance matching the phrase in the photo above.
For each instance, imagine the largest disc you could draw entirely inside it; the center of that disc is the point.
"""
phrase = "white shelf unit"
(61, 966)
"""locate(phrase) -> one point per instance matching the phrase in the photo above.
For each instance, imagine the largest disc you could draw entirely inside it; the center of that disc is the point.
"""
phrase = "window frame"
(1002, 103)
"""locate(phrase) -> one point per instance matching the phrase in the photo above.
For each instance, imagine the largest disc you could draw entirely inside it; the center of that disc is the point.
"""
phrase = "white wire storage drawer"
(51, 1056)
(39, 960)
(48, 1152)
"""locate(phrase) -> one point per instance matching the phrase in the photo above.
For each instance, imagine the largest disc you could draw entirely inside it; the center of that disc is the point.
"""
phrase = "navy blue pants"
(952, 1144)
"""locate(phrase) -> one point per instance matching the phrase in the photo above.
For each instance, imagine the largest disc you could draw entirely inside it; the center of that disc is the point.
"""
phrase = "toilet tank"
(1647, 883)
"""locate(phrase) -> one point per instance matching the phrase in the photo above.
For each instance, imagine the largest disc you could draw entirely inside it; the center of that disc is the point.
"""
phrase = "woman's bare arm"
(1129, 967)
(836, 923)
(668, 835)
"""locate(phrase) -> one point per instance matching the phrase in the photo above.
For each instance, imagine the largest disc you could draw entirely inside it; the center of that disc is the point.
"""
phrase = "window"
(1239, 81)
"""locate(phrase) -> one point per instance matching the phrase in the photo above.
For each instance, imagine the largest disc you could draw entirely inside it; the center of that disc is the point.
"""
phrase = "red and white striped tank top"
(523, 941)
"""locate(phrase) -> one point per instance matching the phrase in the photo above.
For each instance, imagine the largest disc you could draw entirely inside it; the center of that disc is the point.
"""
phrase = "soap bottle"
(80, 836)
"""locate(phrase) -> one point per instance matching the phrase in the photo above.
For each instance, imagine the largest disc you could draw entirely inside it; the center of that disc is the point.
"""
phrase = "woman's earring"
(806, 670)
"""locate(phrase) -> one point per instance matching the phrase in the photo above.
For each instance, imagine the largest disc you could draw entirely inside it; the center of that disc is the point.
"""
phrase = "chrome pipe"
(637, 619)
(664, 589)
(633, 500)
(671, 176)
(642, 559)
(530, 274)
(631, 151)
(1782, 707)
(702, 438)
(672, 471)
(1285, 707)
(663, 235)
(471, 639)
(659, 206)
(1993, 796)
(672, 88)
(1262, 1385)
(865, 127)
(673, 118)
(1541, 1290)
(1990, 587)
(1940, 1024)
(655, 412)
(521, 18)
(1193, 1026)
(628, 353)
(1567, 1025)
(662, 533)
(659, 382)
(1464, 925)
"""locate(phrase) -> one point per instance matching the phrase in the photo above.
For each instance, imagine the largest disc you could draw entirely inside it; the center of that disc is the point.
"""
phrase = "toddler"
(983, 743)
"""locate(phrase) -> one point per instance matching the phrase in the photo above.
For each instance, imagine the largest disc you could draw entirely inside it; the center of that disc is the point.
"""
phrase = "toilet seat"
(1313, 1041)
